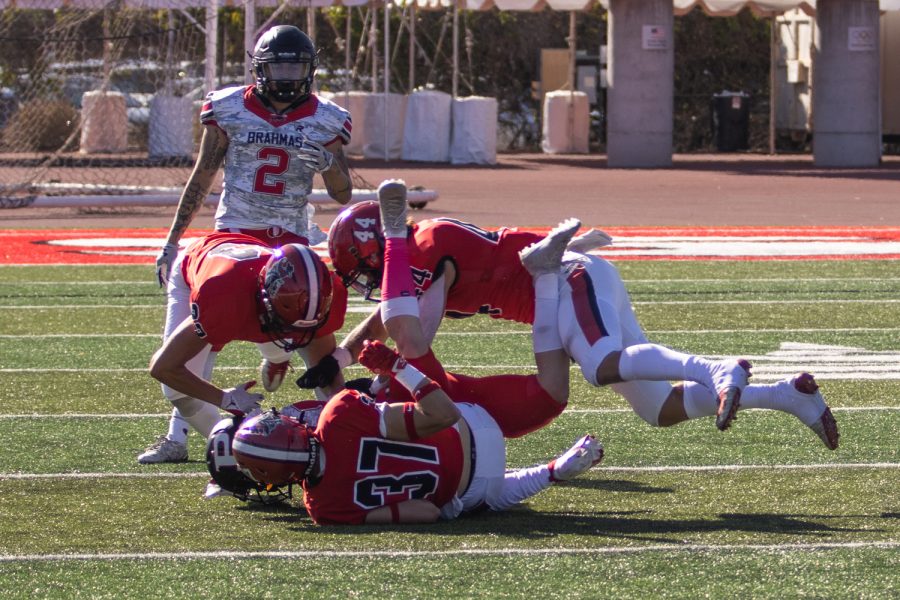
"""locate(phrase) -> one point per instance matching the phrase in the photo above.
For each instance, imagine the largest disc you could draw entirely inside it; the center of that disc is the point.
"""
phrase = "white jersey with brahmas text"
(265, 184)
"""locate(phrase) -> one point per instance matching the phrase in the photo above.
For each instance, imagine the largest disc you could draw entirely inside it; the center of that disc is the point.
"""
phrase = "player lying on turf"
(461, 270)
(227, 287)
(368, 462)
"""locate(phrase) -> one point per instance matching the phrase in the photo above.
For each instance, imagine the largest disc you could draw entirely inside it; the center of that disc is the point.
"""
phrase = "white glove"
(315, 156)
(164, 261)
(239, 401)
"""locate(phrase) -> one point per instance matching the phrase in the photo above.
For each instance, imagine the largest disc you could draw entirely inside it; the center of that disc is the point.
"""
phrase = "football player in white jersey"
(272, 136)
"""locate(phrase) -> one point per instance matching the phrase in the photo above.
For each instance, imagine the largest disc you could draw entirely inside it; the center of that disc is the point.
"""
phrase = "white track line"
(316, 554)
(648, 469)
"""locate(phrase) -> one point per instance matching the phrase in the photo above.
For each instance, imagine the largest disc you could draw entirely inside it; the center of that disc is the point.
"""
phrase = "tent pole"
(570, 112)
(347, 37)
(249, 36)
(455, 50)
(387, 72)
(373, 48)
(311, 22)
(412, 47)
(212, 42)
(773, 96)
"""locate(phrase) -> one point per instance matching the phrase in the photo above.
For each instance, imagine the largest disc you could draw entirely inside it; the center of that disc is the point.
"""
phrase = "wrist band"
(409, 413)
(425, 390)
(409, 377)
(395, 513)
(343, 357)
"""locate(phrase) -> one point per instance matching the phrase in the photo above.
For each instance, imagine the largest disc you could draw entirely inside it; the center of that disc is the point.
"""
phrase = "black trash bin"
(731, 121)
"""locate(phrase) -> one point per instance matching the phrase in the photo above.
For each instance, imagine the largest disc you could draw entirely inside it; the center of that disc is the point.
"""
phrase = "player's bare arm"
(409, 511)
(432, 413)
(212, 153)
(337, 177)
(169, 364)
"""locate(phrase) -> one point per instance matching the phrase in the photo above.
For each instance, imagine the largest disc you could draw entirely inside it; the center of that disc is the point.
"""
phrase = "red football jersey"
(490, 279)
(364, 471)
(222, 270)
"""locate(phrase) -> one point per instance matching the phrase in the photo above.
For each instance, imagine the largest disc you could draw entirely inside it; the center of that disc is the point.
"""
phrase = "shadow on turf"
(644, 525)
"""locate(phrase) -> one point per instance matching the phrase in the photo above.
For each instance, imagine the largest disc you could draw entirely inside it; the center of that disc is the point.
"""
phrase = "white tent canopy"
(713, 7)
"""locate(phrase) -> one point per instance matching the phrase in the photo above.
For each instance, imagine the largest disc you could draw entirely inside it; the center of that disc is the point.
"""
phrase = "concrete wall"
(640, 96)
(846, 109)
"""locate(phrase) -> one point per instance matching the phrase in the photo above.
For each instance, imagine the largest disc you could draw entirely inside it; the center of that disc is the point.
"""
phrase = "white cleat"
(589, 240)
(586, 453)
(272, 374)
(546, 255)
(163, 450)
(808, 405)
(729, 379)
(392, 206)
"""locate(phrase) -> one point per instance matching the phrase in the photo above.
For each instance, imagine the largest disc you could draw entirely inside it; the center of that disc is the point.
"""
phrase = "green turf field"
(763, 510)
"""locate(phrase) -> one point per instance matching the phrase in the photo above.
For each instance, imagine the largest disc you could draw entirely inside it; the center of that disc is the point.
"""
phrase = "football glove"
(164, 261)
(380, 359)
(320, 375)
(315, 156)
(238, 401)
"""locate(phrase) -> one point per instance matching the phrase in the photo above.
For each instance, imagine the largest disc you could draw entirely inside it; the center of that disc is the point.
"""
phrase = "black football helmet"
(284, 64)
(231, 478)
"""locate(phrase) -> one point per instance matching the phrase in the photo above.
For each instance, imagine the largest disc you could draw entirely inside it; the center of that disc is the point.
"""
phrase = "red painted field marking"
(139, 246)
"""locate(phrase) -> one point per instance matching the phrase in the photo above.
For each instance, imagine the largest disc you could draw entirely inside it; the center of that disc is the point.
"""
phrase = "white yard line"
(627, 281)
(648, 469)
(317, 554)
(501, 333)
(367, 308)
(568, 411)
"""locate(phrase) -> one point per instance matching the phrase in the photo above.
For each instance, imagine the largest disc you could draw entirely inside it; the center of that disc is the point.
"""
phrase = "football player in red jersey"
(272, 137)
(460, 270)
(412, 462)
(227, 287)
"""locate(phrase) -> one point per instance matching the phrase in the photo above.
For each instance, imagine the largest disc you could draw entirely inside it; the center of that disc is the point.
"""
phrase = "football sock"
(178, 427)
(784, 397)
(397, 290)
(521, 485)
(658, 363)
(545, 329)
(431, 367)
(202, 416)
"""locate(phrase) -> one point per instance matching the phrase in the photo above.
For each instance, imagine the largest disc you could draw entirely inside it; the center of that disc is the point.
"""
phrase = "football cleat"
(729, 378)
(272, 374)
(586, 453)
(163, 450)
(392, 207)
(808, 405)
(589, 240)
(546, 255)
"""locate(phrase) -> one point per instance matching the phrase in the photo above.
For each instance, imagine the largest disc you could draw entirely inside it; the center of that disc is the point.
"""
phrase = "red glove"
(380, 359)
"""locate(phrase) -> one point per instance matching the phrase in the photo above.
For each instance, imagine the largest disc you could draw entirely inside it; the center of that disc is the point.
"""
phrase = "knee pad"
(645, 397)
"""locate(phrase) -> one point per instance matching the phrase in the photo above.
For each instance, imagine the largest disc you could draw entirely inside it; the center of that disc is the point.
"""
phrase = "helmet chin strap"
(268, 103)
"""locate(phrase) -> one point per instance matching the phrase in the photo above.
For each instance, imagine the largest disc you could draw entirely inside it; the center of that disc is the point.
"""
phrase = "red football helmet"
(356, 247)
(275, 449)
(295, 295)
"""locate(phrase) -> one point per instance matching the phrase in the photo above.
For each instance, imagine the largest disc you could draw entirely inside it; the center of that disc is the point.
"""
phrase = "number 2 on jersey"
(275, 162)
